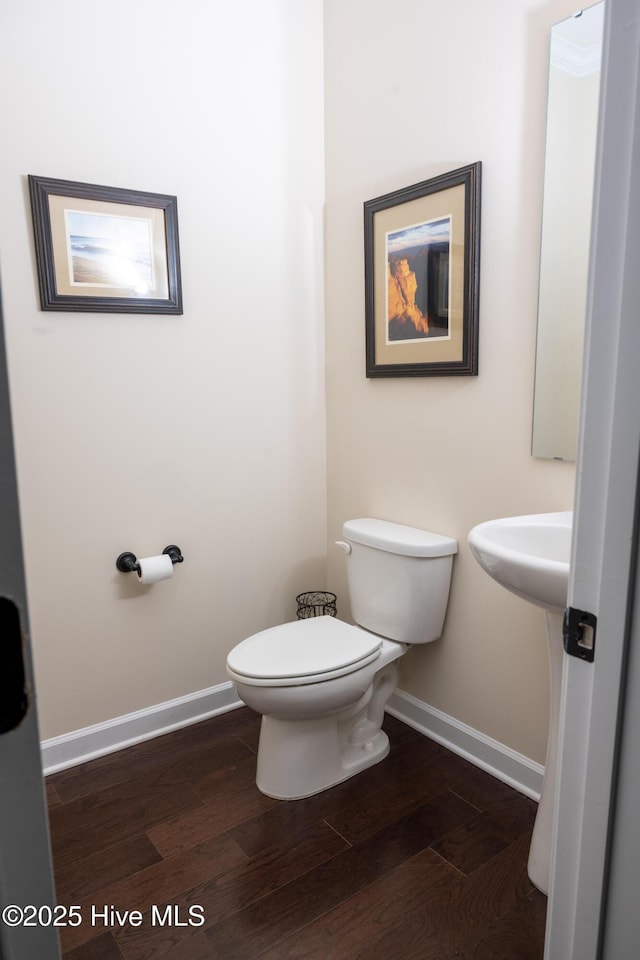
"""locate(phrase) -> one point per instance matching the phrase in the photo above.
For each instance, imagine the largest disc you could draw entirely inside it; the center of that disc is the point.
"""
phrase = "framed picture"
(105, 249)
(422, 259)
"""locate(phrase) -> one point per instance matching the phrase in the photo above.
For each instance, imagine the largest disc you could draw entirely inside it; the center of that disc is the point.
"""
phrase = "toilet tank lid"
(396, 538)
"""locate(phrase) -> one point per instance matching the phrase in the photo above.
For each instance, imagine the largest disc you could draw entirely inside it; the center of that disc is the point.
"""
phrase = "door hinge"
(579, 633)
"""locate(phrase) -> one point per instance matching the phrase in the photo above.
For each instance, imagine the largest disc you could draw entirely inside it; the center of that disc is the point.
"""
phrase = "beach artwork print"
(110, 251)
(418, 277)
(102, 249)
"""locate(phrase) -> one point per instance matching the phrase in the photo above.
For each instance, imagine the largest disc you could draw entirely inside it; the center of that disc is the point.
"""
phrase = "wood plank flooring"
(421, 857)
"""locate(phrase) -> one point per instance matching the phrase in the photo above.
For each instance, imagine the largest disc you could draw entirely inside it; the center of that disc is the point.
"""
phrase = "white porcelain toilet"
(320, 684)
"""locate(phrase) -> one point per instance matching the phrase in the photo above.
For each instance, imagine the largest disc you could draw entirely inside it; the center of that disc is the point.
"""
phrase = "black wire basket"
(316, 603)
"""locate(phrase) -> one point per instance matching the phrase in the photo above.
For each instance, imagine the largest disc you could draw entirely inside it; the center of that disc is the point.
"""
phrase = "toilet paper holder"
(127, 562)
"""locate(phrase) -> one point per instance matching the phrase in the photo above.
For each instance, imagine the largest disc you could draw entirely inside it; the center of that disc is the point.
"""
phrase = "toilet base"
(299, 759)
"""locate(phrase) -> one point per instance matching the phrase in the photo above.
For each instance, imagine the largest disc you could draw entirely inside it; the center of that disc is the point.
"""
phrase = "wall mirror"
(572, 117)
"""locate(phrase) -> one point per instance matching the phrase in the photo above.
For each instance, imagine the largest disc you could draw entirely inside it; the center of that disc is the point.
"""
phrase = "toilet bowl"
(320, 684)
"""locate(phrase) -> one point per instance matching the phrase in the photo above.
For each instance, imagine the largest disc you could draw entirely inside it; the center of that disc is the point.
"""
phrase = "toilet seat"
(302, 652)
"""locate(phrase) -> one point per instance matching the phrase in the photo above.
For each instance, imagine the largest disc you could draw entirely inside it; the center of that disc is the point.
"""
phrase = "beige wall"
(415, 88)
(205, 430)
(208, 430)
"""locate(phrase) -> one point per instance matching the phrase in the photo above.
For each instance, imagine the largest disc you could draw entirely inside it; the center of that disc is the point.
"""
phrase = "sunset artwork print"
(421, 277)
(418, 278)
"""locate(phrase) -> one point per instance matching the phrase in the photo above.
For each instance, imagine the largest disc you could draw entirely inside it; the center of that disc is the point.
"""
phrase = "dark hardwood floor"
(421, 857)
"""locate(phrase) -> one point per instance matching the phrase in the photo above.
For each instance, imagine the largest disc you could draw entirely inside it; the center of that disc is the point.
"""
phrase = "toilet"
(320, 684)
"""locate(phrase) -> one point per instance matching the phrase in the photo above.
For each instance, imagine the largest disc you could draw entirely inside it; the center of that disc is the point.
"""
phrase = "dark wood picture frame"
(105, 249)
(422, 270)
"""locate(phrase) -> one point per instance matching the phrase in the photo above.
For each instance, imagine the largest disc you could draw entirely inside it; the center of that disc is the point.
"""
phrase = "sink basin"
(527, 555)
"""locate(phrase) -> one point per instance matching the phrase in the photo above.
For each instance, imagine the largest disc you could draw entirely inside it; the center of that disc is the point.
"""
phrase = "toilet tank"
(399, 579)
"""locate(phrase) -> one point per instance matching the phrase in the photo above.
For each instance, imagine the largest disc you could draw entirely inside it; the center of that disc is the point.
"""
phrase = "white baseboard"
(88, 743)
(77, 747)
(514, 768)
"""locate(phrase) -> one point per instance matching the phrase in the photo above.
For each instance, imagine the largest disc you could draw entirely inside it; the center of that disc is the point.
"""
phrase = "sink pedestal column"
(540, 852)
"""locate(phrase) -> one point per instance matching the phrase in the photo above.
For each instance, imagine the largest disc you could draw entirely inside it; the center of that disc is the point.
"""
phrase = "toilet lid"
(303, 651)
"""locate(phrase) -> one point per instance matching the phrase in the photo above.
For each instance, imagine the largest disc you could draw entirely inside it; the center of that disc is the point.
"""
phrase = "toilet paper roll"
(152, 569)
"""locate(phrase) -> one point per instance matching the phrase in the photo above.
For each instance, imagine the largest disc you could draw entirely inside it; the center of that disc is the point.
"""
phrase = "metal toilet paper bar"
(127, 562)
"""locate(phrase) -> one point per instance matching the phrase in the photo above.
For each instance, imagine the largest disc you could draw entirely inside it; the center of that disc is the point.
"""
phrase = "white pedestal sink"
(529, 556)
